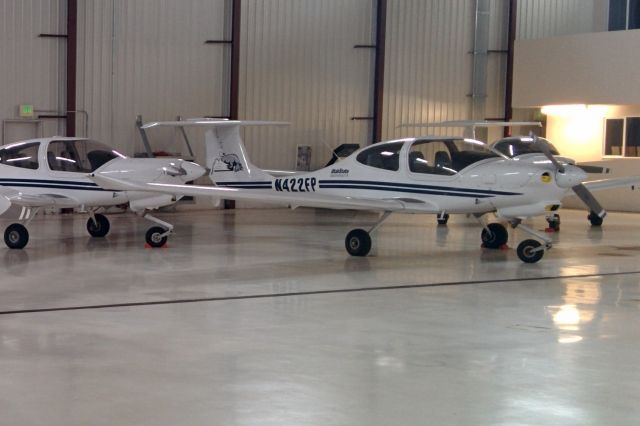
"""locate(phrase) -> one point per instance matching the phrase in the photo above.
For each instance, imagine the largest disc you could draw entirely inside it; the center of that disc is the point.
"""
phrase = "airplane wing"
(293, 199)
(9, 197)
(598, 185)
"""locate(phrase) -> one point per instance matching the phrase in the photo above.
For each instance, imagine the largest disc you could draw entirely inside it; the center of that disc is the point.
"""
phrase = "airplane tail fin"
(227, 159)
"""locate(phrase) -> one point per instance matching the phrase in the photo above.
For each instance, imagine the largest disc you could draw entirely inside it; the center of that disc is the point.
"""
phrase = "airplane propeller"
(578, 188)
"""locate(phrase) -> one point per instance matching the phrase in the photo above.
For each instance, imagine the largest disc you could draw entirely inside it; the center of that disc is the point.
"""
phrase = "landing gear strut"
(358, 241)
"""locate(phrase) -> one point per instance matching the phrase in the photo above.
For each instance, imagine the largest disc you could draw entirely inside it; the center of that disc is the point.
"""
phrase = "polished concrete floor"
(259, 317)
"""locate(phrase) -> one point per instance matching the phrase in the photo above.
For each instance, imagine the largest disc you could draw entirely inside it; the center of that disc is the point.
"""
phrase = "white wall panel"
(32, 69)
(428, 64)
(546, 18)
(298, 64)
(148, 57)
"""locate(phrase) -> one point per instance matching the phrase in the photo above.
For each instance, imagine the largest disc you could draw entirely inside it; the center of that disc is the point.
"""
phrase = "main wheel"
(495, 237)
(594, 219)
(527, 251)
(100, 227)
(16, 236)
(358, 242)
(554, 222)
(154, 236)
(442, 220)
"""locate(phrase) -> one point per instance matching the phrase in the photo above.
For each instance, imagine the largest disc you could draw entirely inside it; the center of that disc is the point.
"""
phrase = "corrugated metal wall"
(428, 64)
(148, 57)
(546, 18)
(32, 69)
(298, 64)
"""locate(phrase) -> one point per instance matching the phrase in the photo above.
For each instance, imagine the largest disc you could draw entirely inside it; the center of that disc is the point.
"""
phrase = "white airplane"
(53, 172)
(412, 175)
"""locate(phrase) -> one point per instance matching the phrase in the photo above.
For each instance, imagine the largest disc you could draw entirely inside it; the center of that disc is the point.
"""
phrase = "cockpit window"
(24, 155)
(514, 146)
(385, 156)
(80, 156)
(446, 157)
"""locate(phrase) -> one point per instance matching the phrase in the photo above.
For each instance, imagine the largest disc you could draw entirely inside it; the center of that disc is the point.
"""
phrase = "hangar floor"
(260, 317)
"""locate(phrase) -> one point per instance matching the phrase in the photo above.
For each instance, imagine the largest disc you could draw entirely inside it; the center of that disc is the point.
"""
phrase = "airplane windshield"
(80, 155)
(22, 154)
(446, 156)
(514, 146)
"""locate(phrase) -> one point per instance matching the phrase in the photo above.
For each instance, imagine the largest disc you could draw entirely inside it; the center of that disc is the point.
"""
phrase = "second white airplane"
(413, 175)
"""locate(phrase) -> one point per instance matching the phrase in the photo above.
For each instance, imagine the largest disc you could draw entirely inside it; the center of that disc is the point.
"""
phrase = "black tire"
(16, 236)
(526, 251)
(442, 220)
(595, 219)
(358, 242)
(153, 236)
(100, 227)
(554, 222)
(495, 237)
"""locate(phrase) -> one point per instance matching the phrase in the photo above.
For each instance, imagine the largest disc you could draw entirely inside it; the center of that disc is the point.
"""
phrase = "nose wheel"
(530, 251)
(157, 236)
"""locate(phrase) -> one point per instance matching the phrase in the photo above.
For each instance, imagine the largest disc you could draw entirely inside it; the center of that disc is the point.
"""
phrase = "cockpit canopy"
(519, 145)
(428, 156)
(65, 155)
(79, 155)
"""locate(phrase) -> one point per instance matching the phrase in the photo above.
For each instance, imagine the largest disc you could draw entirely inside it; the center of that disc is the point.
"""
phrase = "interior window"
(80, 156)
(430, 157)
(24, 155)
(385, 156)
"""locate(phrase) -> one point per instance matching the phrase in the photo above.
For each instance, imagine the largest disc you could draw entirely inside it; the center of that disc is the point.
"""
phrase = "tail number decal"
(295, 184)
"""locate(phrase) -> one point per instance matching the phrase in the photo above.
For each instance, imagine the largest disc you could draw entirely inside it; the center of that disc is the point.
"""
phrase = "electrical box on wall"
(25, 111)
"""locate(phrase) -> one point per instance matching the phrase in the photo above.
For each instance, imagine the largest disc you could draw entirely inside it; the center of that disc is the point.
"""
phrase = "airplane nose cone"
(194, 171)
(571, 177)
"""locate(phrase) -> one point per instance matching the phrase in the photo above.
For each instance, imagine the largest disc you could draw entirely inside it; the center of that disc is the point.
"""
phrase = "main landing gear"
(595, 219)
(97, 225)
(358, 241)
(16, 235)
(443, 218)
(495, 235)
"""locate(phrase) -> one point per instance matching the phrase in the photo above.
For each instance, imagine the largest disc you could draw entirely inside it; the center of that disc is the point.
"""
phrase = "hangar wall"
(32, 68)
(547, 18)
(149, 57)
(298, 64)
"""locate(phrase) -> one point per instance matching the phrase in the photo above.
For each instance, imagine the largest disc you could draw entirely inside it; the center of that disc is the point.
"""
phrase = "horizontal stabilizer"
(471, 123)
(213, 123)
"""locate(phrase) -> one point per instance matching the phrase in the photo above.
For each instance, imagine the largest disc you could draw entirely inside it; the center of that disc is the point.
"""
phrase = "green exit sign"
(26, 111)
